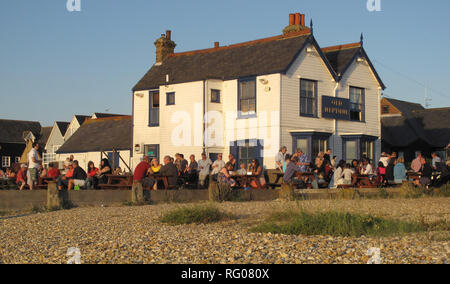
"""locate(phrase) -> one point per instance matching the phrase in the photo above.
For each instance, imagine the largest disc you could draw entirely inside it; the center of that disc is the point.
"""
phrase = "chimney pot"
(302, 21)
(297, 18)
(168, 34)
(216, 44)
(291, 19)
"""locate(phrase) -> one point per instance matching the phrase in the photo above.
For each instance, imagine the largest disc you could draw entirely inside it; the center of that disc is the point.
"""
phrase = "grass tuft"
(335, 224)
(195, 215)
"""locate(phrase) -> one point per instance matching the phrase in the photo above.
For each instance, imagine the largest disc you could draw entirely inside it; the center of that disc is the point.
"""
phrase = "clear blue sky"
(54, 63)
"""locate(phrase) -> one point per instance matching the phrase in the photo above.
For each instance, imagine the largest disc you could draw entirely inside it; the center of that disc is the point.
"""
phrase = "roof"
(406, 108)
(81, 118)
(11, 131)
(105, 115)
(341, 58)
(62, 127)
(44, 135)
(100, 134)
(429, 125)
(264, 56)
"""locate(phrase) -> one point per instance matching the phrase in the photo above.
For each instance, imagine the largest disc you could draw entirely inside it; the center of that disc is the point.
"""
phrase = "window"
(308, 98)
(358, 147)
(215, 96)
(246, 151)
(350, 151)
(153, 119)
(17, 160)
(247, 97)
(367, 149)
(6, 162)
(385, 110)
(170, 99)
(152, 151)
(356, 104)
(312, 143)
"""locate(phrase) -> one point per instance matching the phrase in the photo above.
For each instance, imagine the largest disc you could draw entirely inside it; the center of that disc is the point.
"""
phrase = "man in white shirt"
(33, 163)
(367, 169)
(204, 166)
(218, 165)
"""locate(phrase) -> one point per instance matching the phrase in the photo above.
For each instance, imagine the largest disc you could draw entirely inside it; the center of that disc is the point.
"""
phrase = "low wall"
(14, 200)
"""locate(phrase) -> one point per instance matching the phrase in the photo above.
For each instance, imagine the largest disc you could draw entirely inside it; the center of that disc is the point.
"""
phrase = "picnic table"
(247, 179)
(43, 182)
(413, 175)
(118, 182)
(162, 178)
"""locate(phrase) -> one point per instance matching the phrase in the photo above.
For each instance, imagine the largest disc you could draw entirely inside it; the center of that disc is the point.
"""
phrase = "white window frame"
(6, 161)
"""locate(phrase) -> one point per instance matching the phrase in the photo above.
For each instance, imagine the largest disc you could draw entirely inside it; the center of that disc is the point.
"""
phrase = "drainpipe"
(203, 116)
(335, 125)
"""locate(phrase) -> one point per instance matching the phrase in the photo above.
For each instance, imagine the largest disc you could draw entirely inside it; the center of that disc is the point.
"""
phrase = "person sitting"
(339, 174)
(348, 174)
(425, 172)
(63, 181)
(242, 169)
(303, 161)
(78, 179)
(290, 176)
(399, 171)
(416, 164)
(436, 159)
(21, 179)
(217, 166)
(381, 173)
(10, 173)
(366, 168)
(171, 171)
(224, 176)
(53, 172)
(280, 159)
(118, 171)
(42, 171)
(92, 172)
(141, 172)
(319, 172)
(192, 171)
(155, 166)
(356, 167)
(105, 169)
(258, 172)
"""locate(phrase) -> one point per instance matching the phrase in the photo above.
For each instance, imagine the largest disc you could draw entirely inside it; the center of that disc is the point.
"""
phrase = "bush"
(195, 215)
(335, 224)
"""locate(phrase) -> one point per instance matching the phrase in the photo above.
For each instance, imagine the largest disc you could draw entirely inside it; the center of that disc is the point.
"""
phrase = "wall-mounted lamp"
(310, 50)
(264, 81)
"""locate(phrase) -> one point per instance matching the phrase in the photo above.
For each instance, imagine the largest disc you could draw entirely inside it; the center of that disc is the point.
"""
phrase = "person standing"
(280, 158)
(141, 172)
(399, 171)
(34, 159)
(204, 166)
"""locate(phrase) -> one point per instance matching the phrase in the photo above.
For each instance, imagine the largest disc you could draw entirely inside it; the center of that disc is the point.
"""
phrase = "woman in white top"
(367, 169)
(339, 174)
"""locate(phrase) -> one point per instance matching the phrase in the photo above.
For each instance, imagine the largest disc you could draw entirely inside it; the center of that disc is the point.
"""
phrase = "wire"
(412, 79)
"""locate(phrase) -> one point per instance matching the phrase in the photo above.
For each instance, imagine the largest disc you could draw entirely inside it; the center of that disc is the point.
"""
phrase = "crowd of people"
(324, 171)
(390, 170)
(195, 174)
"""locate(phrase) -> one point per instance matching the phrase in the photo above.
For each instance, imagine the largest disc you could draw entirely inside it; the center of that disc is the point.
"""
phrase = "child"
(348, 172)
(242, 171)
(381, 173)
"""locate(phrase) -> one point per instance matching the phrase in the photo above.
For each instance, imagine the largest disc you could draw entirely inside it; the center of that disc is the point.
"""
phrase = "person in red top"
(92, 172)
(53, 172)
(21, 179)
(141, 172)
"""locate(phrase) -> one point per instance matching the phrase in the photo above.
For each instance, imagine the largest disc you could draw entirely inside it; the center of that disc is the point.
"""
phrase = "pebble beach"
(126, 234)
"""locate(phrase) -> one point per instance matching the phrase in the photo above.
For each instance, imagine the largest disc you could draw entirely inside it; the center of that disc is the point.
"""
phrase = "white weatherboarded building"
(108, 137)
(250, 99)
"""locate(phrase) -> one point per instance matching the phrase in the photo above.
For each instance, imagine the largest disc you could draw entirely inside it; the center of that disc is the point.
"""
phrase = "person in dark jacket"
(390, 170)
(170, 170)
(425, 172)
(78, 178)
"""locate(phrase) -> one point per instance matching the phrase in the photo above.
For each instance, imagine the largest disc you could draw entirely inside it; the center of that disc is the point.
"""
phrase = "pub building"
(285, 90)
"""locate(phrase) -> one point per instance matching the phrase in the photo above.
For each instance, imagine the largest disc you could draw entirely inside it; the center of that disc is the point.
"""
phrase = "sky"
(55, 63)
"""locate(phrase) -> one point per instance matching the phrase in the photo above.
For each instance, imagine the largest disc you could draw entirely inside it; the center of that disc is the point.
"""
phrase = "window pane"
(350, 150)
(155, 100)
(307, 97)
(247, 92)
(303, 144)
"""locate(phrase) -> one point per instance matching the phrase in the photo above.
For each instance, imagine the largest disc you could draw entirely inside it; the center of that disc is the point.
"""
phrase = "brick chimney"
(296, 24)
(164, 47)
